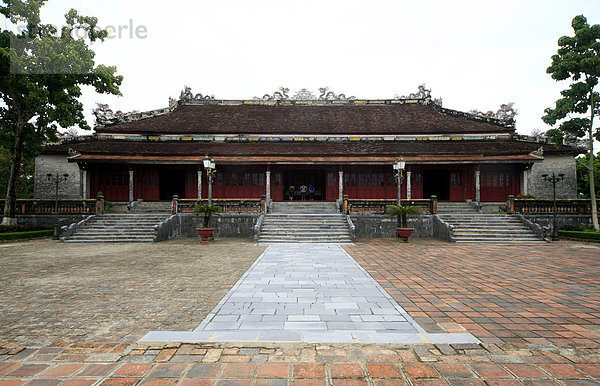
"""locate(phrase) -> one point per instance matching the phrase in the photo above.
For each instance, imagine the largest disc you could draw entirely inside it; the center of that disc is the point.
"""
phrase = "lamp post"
(399, 175)
(57, 179)
(209, 165)
(554, 179)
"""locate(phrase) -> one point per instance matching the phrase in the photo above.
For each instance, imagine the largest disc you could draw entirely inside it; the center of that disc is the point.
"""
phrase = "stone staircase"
(153, 207)
(469, 226)
(455, 208)
(137, 226)
(304, 222)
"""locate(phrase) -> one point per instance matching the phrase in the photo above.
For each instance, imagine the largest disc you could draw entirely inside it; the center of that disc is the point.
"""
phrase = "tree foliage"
(578, 60)
(42, 70)
(583, 177)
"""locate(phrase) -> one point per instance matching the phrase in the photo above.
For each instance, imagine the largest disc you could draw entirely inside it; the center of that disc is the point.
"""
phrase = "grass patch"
(22, 228)
(26, 235)
(581, 235)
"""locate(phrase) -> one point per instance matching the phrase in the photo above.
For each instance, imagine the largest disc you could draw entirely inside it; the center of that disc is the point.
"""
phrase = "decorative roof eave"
(253, 160)
(304, 97)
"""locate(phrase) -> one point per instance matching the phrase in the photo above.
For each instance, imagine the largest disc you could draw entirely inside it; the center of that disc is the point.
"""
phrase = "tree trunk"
(592, 182)
(10, 205)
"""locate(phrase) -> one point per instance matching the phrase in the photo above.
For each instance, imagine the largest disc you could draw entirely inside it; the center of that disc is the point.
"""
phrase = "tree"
(578, 58)
(42, 70)
(583, 177)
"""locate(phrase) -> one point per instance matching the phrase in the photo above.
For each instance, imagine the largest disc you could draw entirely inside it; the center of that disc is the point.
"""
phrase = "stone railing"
(378, 205)
(233, 205)
(535, 206)
(31, 206)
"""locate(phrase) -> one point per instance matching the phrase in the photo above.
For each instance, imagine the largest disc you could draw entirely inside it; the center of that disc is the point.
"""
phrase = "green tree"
(42, 70)
(583, 177)
(578, 59)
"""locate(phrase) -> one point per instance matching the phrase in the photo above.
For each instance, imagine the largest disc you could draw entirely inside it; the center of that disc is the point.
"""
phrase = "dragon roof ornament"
(422, 93)
(505, 114)
(304, 94)
(187, 95)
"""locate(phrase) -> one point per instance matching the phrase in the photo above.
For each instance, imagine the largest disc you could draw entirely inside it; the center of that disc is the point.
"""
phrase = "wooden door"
(457, 185)
(333, 188)
(151, 191)
(276, 187)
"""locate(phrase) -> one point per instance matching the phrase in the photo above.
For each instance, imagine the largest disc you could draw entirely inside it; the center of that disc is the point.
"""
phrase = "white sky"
(473, 54)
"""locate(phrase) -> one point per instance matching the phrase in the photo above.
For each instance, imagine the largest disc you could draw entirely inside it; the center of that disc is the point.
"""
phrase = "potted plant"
(401, 212)
(205, 211)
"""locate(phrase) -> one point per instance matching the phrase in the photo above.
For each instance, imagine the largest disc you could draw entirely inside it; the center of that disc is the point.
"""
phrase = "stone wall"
(553, 164)
(381, 226)
(51, 163)
(225, 224)
(545, 220)
(48, 219)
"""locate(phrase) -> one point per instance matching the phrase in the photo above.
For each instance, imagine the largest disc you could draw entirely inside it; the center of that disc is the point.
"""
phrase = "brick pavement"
(113, 292)
(317, 364)
(499, 293)
(535, 279)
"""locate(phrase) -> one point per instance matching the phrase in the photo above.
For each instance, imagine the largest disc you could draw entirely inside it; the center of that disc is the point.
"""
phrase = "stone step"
(303, 240)
(110, 237)
(110, 241)
(460, 234)
(501, 241)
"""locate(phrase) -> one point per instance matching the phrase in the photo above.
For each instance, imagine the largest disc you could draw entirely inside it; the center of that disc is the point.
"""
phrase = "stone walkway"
(308, 293)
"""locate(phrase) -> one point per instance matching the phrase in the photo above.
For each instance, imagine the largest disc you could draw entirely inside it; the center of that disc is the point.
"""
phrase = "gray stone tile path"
(308, 293)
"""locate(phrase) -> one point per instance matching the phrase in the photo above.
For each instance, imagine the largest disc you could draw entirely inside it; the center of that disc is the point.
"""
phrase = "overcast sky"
(472, 54)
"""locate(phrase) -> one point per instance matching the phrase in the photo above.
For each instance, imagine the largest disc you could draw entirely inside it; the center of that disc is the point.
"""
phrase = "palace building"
(332, 144)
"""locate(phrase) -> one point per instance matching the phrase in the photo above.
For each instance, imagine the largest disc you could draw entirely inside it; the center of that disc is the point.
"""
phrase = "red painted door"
(151, 191)
(457, 185)
(191, 184)
(333, 189)
(276, 187)
(416, 185)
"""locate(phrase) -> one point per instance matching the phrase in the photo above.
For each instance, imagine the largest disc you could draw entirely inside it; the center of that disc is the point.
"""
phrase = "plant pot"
(405, 233)
(205, 233)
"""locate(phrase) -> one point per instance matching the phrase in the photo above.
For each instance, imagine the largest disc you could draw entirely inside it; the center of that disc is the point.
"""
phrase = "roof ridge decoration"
(506, 113)
(304, 94)
(106, 116)
(422, 93)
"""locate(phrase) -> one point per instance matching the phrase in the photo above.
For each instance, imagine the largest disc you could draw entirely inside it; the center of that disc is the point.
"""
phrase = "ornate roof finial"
(280, 95)
(423, 93)
(327, 94)
(506, 114)
(187, 95)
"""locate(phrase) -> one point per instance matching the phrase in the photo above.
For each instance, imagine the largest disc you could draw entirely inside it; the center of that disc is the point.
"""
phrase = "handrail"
(540, 206)
(46, 206)
(378, 205)
(235, 205)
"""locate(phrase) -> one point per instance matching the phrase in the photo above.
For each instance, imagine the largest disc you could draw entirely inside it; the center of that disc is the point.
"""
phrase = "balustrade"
(536, 206)
(32, 206)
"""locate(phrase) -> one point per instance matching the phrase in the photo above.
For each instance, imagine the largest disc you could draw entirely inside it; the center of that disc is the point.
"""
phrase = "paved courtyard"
(308, 293)
(500, 293)
(113, 292)
(535, 309)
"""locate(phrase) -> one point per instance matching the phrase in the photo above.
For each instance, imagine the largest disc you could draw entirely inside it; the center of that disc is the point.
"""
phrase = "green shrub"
(580, 235)
(25, 235)
(21, 228)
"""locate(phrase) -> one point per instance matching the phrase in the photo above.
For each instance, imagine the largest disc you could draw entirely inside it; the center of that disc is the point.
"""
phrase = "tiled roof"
(415, 149)
(355, 119)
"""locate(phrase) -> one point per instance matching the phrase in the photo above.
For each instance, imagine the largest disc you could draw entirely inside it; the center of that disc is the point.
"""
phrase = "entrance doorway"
(172, 182)
(436, 182)
(313, 180)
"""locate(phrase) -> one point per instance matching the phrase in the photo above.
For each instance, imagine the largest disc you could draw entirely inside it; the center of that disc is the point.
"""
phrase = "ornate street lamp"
(209, 165)
(399, 176)
(57, 179)
(554, 179)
